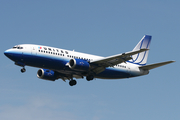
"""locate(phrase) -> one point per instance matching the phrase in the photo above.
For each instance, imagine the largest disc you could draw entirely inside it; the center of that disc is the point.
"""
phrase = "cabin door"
(33, 51)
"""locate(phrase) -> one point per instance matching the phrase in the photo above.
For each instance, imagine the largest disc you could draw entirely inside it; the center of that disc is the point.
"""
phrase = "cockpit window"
(17, 47)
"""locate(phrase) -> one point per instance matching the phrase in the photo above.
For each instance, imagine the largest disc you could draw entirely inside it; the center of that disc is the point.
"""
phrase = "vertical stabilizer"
(141, 58)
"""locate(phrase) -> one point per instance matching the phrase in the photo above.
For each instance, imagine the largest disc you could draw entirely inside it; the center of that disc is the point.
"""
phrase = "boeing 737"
(56, 63)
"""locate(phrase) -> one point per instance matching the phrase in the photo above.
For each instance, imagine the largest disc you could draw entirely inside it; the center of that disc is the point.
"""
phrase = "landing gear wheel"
(89, 77)
(23, 70)
(72, 82)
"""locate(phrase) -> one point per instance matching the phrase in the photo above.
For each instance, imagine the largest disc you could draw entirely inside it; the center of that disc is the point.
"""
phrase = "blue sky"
(97, 27)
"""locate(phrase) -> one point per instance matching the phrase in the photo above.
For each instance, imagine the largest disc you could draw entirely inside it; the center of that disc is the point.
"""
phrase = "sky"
(99, 27)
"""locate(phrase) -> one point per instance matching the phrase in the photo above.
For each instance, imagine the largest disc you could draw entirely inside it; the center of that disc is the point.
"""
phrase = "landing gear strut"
(23, 70)
(72, 82)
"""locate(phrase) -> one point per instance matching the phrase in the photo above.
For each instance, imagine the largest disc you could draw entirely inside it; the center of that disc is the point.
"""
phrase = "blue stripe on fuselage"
(45, 61)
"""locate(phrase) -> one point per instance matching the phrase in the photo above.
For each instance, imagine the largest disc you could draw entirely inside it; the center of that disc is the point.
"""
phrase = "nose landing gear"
(23, 70)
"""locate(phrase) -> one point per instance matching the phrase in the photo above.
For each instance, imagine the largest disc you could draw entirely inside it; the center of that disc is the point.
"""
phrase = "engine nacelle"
(79, 64)
(46, 74)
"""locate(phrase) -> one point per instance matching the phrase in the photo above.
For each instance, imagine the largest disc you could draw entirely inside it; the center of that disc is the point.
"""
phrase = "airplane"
(57, 63)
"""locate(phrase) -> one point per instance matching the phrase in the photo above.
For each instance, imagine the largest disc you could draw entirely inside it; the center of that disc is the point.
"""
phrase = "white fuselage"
(57, 59)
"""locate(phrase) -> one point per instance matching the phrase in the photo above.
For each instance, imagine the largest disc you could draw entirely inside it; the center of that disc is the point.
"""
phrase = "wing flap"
(152, 66)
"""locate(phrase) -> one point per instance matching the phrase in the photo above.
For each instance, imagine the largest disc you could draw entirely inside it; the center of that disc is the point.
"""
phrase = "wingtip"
(171, 61)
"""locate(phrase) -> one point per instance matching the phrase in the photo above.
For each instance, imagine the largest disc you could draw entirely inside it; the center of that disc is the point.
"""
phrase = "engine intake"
(46, 74)
(79, 64)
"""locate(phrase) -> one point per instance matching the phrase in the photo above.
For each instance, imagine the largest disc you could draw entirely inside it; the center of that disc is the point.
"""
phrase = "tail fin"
(141, 58)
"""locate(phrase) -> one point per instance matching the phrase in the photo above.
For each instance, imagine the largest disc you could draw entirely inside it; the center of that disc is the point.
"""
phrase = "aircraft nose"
(8, 53)
(13, 54)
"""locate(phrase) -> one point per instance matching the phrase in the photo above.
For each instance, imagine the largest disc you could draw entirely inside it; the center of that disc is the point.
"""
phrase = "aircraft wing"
(117, 59)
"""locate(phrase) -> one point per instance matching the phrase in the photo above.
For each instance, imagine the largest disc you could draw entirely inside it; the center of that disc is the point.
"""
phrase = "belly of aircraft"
(59, 65)
(111, 73)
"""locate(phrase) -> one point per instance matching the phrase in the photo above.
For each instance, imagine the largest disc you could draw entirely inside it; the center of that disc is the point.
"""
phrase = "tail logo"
(141, 58)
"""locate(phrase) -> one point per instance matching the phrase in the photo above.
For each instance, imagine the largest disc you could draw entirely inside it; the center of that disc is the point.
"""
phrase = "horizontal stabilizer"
(152, 66)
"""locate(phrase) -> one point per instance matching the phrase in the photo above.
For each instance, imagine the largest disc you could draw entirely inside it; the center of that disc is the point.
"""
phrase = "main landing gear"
(23, 70)
(89, 77)
(72, 82)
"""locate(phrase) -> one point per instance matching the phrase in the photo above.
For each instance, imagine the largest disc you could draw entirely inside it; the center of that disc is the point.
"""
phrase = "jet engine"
(46, 74)
(79, 64)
